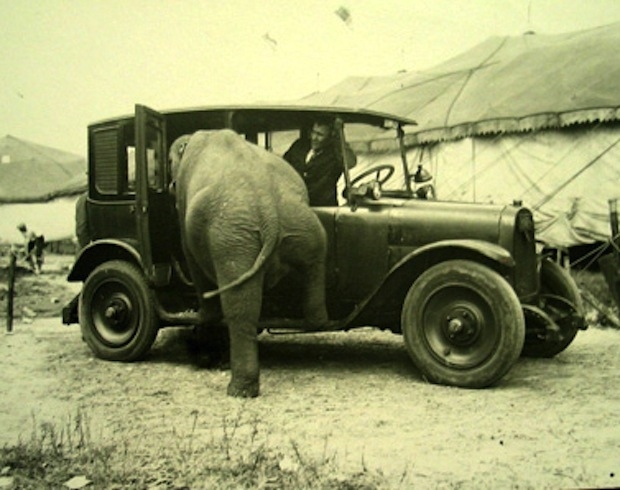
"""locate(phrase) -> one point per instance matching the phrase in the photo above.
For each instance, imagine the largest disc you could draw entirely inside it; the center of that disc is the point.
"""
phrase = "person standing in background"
(34, 243)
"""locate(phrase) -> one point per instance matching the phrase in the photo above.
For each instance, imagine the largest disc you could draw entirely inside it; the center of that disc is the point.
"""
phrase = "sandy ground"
(354, 397)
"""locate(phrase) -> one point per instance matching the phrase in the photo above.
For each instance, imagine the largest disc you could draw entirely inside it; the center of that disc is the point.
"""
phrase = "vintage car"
(462, 282)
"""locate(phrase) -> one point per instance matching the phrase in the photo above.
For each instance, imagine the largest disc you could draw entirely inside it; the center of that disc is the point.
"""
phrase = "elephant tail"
(267, 249)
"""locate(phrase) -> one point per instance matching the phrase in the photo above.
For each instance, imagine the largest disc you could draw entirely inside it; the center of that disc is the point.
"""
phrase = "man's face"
(320, 136)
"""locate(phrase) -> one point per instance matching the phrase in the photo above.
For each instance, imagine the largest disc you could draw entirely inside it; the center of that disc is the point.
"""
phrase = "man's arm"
(294, 152)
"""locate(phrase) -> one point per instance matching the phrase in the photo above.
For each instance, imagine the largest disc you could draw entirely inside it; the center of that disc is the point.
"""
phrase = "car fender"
(99, 252)
(404, 273)
(415, 263)
(460, 249)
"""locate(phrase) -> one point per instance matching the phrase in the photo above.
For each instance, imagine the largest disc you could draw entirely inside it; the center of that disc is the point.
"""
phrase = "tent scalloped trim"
(514, 125)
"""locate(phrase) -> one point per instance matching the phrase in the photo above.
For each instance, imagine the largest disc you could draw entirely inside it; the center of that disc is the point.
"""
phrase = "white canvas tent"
(565, 176)
(39, 186)
(532, 118)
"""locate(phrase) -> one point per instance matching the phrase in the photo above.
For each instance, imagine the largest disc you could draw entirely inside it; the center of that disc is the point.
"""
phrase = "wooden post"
(10, 292)
(613, 220)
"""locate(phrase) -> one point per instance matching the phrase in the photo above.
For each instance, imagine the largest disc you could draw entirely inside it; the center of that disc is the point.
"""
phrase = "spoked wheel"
(117, 318)
(560, 299)
(463, 324)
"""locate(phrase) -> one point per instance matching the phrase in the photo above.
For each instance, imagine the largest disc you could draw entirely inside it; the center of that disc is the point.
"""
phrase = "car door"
(361, 250)
(155, 215)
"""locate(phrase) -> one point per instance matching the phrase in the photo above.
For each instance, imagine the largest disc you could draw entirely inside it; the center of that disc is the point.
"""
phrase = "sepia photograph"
(309, 244)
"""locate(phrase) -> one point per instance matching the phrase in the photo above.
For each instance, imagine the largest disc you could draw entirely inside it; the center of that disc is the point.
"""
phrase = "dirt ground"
(353, 396)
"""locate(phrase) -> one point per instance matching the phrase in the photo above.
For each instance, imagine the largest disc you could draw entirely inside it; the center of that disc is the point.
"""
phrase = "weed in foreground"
(239, 457)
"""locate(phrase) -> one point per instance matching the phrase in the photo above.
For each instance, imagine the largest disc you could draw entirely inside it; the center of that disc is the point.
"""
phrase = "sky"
(67, 63)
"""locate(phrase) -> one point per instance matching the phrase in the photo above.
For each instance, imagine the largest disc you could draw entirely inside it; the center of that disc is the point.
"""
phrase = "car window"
(281, 141)
(131, 169)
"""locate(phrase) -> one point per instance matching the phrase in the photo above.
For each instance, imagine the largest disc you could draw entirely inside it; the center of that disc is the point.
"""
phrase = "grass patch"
(595, 283)
(601, 309)
(238, 456)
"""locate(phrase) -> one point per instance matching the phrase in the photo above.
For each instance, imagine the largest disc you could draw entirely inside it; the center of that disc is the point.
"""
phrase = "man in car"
(318, 160)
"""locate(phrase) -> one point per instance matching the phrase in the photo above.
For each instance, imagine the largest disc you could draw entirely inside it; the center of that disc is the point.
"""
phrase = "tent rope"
(596, 255)
(548, 197)
(557, 163)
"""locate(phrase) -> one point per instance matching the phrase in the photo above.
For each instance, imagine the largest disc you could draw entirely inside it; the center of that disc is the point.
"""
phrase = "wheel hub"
(462, 326)
(114, 317)
(116, 312)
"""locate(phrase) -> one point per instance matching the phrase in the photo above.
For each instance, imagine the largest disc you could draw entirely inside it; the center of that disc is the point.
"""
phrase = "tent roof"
(30, 172)
(504, 84)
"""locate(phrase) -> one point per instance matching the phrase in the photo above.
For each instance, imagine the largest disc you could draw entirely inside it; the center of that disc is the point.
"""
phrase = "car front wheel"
(117, 317)
(463, 324)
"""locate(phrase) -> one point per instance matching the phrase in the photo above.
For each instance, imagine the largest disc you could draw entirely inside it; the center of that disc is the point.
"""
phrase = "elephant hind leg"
(241, 306)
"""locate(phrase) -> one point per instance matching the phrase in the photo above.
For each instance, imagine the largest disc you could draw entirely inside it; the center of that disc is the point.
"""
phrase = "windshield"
(376, 147)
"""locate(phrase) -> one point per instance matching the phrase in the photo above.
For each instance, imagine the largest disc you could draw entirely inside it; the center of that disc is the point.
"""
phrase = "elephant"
(245, 222)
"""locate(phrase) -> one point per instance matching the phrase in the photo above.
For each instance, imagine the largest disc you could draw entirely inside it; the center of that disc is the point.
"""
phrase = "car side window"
(281, 141)
(131, 169)
(277, 141)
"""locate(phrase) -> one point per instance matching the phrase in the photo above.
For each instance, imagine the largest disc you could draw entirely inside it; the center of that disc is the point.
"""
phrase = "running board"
(289, 326)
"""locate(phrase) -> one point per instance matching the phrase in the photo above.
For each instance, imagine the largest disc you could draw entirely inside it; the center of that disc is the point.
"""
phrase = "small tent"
(39, 186)
(533, 118)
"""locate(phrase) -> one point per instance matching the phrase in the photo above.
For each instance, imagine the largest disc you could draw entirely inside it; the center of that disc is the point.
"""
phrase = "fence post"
(10, 292)
(610, 263)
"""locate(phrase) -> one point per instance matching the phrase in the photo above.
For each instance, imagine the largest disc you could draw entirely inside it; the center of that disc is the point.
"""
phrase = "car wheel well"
(97, 254)
(401, 279)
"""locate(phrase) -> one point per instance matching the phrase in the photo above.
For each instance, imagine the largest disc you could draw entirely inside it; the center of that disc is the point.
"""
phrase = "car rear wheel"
(555, 282)
(463, 324)
(116, 313)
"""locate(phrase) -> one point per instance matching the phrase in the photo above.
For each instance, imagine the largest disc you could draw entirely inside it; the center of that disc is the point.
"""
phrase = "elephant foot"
(248, 389)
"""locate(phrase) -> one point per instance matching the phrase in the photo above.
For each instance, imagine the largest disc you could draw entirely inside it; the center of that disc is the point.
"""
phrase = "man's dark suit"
(320, 174)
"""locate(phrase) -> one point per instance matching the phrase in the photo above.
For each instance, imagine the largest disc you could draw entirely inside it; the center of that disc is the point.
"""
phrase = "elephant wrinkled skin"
(245, 222)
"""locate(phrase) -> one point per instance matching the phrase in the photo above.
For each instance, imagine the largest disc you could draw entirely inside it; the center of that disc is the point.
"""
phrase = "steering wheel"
(378, 169)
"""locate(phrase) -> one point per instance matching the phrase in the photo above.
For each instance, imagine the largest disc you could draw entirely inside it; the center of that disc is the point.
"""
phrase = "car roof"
(269, 117)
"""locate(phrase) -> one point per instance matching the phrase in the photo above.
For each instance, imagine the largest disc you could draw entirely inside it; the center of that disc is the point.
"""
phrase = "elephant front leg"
(241, 307)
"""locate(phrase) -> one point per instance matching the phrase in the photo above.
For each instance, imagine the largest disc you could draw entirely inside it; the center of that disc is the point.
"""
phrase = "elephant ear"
(182, 147)
(177, 150)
